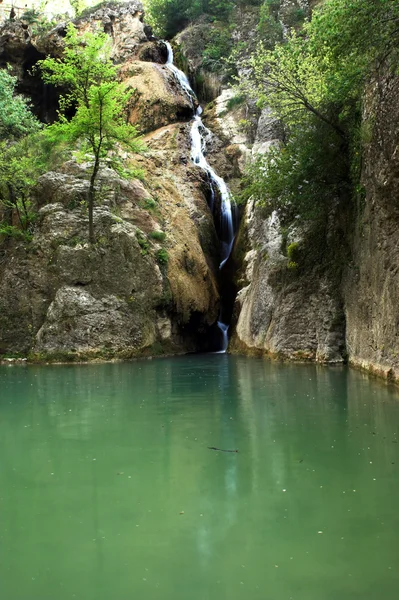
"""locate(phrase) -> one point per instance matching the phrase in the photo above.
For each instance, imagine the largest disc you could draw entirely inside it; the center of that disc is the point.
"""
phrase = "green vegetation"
(88, 73)
(168, 17)
(143, 242)
(21, 164)
(270, 29)
(235, 101)
(16, 119)
(314, 84)
(21, 160)
(162, 256)
(157, 235)
(218, 48)
(97, 129)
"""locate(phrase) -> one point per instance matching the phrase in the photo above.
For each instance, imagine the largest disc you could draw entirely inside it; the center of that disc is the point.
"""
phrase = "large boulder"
(158, 99)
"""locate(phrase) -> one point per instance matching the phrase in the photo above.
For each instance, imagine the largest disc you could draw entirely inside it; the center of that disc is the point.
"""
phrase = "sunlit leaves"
(16, 119)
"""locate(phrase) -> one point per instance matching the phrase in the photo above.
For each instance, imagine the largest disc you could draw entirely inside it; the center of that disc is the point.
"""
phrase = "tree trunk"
(92, 198)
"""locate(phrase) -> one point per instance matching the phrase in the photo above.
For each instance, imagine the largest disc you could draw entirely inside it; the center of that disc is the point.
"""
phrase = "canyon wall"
(149, 284)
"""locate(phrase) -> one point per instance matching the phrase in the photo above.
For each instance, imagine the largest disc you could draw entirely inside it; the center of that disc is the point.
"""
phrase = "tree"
(99, 123)
(18, 162)
(16, 119)
(322, 69)
(21, 164)
(314, 84)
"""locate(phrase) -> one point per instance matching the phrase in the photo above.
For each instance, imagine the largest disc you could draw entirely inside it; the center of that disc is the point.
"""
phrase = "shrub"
(162, 256)
(149, 204)
(217, 49)
(294, 17)
(157, 235)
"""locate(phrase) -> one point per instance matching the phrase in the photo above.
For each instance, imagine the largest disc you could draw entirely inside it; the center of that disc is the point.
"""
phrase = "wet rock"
(157, 99)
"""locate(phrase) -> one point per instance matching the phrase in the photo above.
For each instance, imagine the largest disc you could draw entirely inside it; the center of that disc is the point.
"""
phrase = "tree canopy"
(314, 82)
(170, 16)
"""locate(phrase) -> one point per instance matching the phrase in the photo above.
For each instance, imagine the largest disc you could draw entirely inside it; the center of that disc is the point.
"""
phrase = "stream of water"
(199, 136)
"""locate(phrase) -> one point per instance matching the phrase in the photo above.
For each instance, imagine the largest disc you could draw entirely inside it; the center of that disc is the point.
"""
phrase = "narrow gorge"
(199, 285)
(175, 269)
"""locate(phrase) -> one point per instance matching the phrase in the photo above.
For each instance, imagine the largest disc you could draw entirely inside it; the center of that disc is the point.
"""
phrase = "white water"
(180, 76)
(199, 135)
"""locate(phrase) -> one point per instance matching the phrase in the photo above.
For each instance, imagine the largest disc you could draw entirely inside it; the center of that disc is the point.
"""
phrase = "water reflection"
(108, 488)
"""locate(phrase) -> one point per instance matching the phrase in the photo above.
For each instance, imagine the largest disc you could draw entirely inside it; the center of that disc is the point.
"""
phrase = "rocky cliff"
(349, 312)
(371, 284)
(331, 311)
(280, 311)
(149, 285)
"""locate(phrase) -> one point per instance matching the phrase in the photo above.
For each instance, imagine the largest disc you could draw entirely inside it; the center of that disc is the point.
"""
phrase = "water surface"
(108, 490)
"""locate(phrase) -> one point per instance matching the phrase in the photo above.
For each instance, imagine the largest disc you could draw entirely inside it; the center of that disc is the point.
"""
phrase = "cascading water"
(180, 76)
(199, 135)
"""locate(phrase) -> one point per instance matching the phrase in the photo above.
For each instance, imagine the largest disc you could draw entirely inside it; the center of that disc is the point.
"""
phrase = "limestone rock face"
(192, 43)
(281, 312)
(123, 22)
(157, 99)
(371, 286)
(147, 285)
(318, 314)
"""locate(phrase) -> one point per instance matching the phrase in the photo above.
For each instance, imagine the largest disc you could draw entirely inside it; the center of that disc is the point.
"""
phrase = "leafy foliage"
(314, 83)
(157, 235)
(270, 29)
(297, 179)
(217, 49)
(16, 119)
(162, 256)
(99, 123)
(168, 17)
(21, 164)
(30, 16)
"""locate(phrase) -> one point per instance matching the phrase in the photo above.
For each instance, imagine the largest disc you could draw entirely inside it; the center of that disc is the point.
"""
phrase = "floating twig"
(220, 449)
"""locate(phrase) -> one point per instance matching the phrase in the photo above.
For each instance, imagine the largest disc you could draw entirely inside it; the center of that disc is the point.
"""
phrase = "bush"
(15, 232)
(217, 49)
(162, 256)
(31, 16)
(235, 101)
(157, 235)
(270, 29)
(294, 17)
(314, 84)
(297, 179)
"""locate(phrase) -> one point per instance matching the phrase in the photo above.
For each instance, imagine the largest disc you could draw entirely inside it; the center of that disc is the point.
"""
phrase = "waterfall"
(199, 136)
(180, 76)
